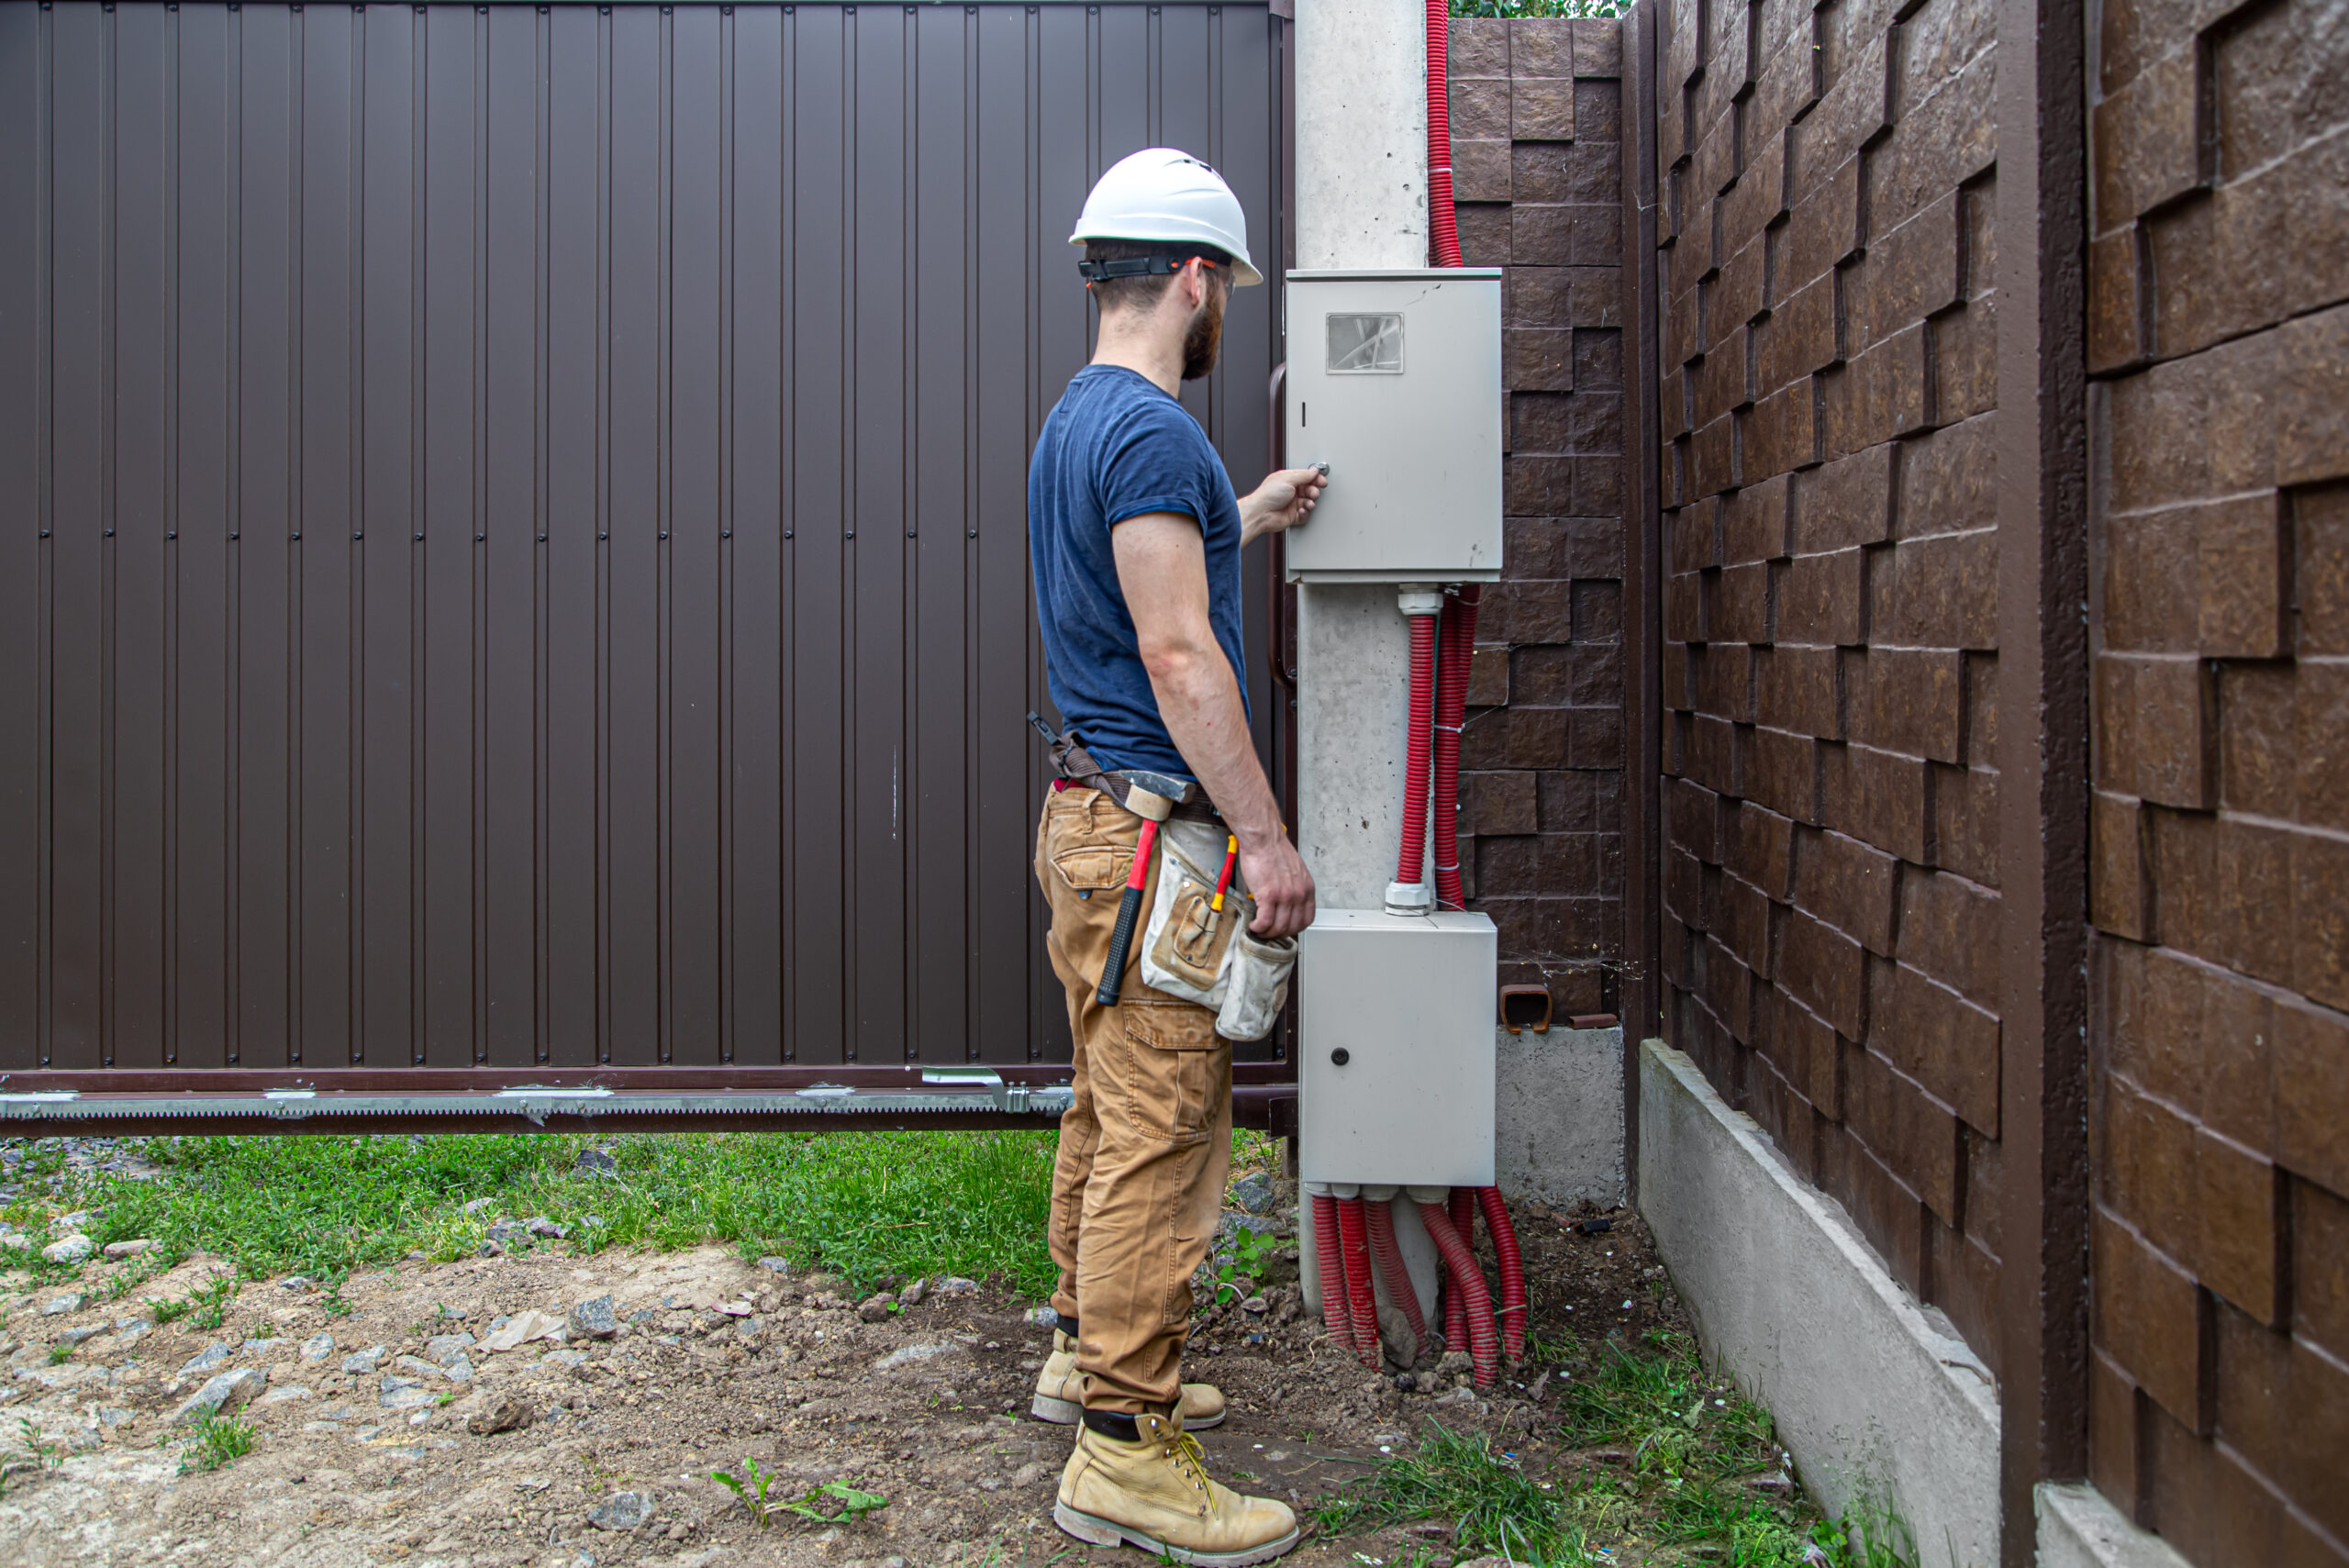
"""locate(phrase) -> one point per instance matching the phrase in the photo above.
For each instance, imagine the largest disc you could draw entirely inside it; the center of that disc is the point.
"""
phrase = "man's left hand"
(1286, 499)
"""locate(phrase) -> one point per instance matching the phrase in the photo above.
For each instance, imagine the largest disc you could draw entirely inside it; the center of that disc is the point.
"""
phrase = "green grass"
(1678, 1452)
(1491, 1505)
(864, 1205)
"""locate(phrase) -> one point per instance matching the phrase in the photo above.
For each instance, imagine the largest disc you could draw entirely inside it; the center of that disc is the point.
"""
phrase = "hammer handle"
(1122, 935)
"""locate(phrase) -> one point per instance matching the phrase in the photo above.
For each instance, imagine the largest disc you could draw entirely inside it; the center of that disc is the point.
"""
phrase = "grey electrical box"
(1395, 1019)
(1395, 382)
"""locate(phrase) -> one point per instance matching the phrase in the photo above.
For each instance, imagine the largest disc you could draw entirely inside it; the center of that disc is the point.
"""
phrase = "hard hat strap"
(1141, 266)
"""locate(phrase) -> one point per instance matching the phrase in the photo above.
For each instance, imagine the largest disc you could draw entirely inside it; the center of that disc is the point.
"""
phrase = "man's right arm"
(1162, 568)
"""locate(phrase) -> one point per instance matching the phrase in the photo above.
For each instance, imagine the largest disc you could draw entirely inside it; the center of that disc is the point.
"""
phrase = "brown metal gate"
(512, 559)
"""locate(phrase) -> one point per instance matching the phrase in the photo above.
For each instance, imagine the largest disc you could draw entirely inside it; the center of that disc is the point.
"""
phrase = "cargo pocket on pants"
(1081, 840)
(1173, 1070)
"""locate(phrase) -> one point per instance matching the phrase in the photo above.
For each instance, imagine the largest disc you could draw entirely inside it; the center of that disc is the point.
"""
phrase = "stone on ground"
(224, 1393)
(205, 1360)
(594, 1318)
(509, 1414)
(621, 1510)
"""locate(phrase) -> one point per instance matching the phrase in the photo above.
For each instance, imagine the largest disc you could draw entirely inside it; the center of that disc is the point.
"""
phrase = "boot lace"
(1191, 1461)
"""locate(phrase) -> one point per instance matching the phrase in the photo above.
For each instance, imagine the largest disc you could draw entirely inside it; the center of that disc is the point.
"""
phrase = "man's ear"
(1196, 282)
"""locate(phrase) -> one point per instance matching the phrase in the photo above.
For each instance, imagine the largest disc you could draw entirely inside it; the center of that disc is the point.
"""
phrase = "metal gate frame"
(606, 1097)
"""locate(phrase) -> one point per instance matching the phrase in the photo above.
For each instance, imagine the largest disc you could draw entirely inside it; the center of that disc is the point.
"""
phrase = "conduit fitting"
(1427, 1195)
(1318, 1189)
(1419, 599)
(1373, 1192)
(1344, 1192)
(1410, 898)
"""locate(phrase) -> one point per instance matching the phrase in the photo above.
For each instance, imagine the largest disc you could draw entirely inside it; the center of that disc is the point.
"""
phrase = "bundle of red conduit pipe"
(1355, 1234)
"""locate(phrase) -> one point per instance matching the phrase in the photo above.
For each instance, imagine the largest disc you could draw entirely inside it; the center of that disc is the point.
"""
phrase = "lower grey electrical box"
(1395, 382)
(1396, 1023)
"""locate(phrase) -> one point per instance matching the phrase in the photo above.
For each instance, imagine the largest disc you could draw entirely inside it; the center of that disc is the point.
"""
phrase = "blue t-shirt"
(1116, 446)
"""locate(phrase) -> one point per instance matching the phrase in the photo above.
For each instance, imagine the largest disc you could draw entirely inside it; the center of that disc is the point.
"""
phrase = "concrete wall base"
(2078, 1528)
(1558, 1115)
(1874, 1396)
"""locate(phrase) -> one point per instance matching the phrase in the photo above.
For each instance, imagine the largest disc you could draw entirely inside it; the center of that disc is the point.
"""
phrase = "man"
(1135, 534)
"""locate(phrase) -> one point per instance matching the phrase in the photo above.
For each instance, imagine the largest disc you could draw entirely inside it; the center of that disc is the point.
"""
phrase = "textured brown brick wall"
(1536, 130)
(2220, 872)
(1831, 908)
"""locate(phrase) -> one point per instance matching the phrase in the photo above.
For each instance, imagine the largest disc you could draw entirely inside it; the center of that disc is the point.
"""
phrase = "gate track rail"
(357, 1101)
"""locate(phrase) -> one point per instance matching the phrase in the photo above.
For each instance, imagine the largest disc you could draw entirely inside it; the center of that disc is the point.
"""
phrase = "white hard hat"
(1163, 194)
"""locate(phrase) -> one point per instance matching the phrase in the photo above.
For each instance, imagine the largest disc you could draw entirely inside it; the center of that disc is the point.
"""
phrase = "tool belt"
(1191, 952)
(1075, 766)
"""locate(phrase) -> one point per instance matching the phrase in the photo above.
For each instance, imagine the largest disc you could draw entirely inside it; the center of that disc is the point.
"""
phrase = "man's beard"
(1204, 338)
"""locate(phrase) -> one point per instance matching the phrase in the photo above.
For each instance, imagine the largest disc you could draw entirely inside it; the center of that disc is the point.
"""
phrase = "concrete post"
(1362, 201)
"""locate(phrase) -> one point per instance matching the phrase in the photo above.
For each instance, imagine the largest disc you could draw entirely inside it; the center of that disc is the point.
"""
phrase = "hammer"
(1152, 798)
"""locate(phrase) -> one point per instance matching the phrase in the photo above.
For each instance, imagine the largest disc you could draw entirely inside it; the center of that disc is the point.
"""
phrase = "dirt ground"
(718, 1358)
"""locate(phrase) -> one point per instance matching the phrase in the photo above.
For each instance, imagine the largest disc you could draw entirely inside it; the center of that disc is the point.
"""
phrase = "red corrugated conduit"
(1378, 1218)
(1477, 1304)
(1361, 1305)
(1461, 1205)
(1330, 1270)
(1456, 642)
(1511, 1315)
(1411, 863)
(1442, 227)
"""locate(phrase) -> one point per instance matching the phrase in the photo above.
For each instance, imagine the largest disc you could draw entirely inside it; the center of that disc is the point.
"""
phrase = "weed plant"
(222, 1440)
(751, 1487)
(38, 1453)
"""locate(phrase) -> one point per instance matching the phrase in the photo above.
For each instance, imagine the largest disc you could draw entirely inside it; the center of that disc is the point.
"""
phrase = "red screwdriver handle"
(1122, 936)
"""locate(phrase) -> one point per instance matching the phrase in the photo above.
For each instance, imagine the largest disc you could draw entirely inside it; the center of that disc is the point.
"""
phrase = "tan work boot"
(1154, 1493)
(1060, 1393)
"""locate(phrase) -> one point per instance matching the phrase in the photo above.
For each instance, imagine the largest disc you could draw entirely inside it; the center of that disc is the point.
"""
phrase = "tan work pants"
(1146, 1147)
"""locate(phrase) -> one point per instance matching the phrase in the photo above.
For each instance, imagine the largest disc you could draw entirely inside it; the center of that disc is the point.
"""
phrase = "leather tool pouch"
(1213, 961)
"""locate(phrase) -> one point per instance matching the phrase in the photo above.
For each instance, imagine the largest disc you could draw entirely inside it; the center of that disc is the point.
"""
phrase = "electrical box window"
(1363, 345)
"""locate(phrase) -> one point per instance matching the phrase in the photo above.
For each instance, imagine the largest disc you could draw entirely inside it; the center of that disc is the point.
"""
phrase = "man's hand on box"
(1287, 498)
